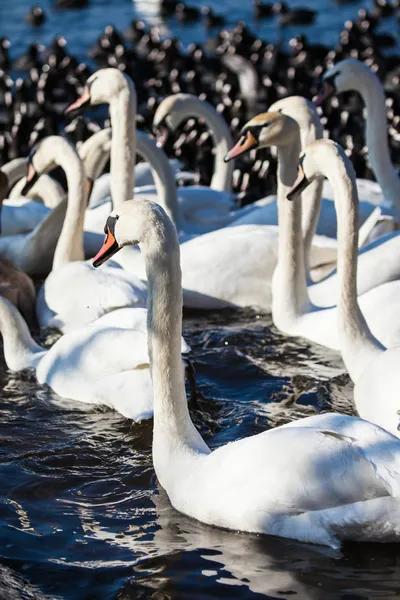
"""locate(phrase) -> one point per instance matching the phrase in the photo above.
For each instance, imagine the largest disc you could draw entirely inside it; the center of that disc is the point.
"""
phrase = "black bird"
(262, 11)
(294, 16)
(4, 56)
(211, 19)
(35, 16)
(187, 14)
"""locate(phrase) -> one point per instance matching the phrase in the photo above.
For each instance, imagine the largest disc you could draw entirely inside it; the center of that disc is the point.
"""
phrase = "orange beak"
(246, 143)
(325, 93)
(108, 249)
(83, 100)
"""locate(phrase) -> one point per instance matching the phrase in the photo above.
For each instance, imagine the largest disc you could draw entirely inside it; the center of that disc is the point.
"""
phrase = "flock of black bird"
(36, 87)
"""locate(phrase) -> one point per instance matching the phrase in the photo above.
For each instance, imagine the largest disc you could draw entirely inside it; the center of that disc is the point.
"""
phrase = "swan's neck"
(358, 346)
(123, 146)
(95, 152)
(377, 139)
(311, 200)
(310, 130)
(173, 428)
(70, 243)
(20, 350)
(163, 176)
(222, 138)
(289, 285)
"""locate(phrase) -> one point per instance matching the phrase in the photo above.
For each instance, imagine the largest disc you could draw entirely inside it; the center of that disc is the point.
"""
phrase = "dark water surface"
(81, 514)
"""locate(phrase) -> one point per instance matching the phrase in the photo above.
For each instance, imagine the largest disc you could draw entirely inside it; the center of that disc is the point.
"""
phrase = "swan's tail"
(20, 350)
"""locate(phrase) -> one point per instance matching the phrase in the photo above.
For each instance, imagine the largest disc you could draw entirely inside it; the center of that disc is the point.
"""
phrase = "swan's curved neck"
(222, 138)
(377, 138)
(95, 152)
(289, 285)
(164, 180)
(123, 145)
(173, 427)
(70, 243)
(310, 130)
(358, 345)
(20, 350)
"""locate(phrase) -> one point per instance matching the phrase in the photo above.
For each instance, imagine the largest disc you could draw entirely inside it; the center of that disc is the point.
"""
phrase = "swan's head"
(267, 129)
(101, 88)
(134, 223)
(345, 76)
(46, 155)
(168, 116)
(319, 160)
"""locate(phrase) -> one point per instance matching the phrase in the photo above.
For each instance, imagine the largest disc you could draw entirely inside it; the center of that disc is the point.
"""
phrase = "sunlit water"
(81, 514)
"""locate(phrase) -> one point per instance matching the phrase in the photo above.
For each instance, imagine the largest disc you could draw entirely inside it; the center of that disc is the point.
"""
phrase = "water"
(81, 514)
(82, 27)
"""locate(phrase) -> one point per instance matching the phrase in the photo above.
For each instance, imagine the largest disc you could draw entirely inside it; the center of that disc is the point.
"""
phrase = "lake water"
(81, 514)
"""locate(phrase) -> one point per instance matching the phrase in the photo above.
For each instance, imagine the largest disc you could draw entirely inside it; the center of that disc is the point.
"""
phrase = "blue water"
(82, 27)
(81, 514)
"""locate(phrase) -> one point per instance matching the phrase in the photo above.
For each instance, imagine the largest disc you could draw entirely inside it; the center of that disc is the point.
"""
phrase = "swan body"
(103, 363)
(308, 481)
(351, 74)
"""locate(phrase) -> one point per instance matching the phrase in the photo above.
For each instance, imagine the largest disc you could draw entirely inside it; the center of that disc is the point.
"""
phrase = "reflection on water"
(81, 505)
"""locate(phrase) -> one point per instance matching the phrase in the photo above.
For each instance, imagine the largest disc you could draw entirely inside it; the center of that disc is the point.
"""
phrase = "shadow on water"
(81, 515)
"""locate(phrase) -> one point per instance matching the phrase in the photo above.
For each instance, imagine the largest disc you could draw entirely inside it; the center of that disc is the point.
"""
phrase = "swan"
(22, 215)
(351, 74)
(74, 294)
(322, 480)
(198, 214)
(104, 363)
(372, 367)
(292, 311)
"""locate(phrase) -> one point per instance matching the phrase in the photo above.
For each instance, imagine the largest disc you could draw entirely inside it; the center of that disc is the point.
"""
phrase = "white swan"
(292, 311)
(372, 367)
(201, 209)
(321, 480)
(352, 74)
(74, 293)
(21, 215)
(104, 363)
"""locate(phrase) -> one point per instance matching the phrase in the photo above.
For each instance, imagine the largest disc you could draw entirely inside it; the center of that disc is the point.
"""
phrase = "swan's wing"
(379, 447)
(130, 393)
